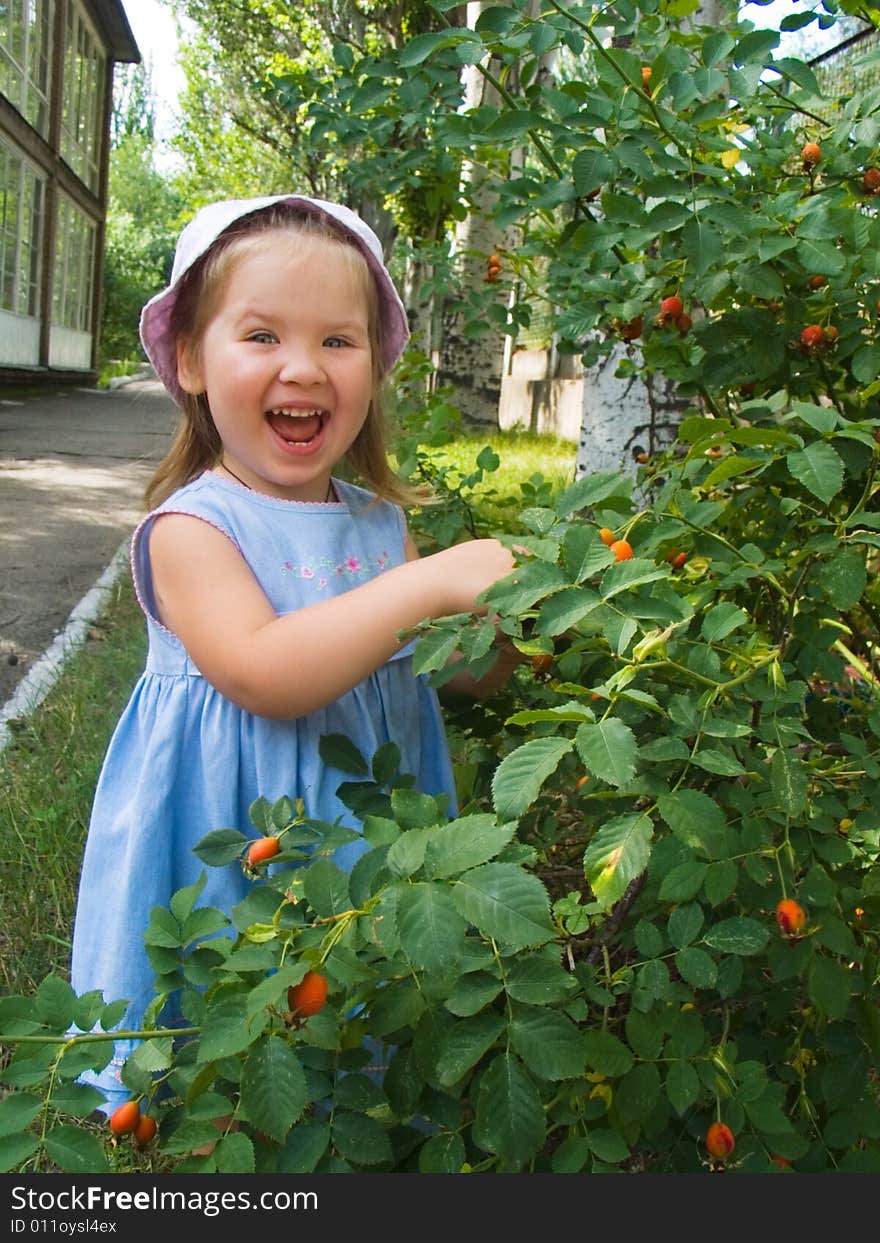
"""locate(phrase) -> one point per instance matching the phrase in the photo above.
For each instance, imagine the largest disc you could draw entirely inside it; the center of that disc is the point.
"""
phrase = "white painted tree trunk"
(625, 416)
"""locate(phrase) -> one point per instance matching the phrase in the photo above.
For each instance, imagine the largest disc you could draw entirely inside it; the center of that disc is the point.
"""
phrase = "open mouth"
(297, 427)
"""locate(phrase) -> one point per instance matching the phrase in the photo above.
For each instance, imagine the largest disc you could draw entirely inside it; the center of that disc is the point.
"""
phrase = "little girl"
(274, 592)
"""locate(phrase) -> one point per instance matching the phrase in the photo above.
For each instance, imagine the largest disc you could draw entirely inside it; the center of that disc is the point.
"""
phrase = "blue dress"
(184, 760)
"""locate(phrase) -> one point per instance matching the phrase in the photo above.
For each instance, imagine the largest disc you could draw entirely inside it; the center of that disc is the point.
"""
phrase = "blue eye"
(262, 337)
(335, 342)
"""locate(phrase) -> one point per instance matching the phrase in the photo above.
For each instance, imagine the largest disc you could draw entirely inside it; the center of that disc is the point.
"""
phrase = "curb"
(42, 676)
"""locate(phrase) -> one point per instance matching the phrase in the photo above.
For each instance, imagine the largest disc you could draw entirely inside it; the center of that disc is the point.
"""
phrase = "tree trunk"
(625, 416)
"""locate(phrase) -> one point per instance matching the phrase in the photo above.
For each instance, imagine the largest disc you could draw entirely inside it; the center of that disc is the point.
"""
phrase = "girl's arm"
(290, 666)
(464, 683)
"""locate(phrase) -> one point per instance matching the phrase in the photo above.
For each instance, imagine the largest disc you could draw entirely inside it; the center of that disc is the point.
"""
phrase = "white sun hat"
(204, 229)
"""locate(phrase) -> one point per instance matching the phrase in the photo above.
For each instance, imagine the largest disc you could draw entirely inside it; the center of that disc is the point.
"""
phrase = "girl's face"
(286, 363)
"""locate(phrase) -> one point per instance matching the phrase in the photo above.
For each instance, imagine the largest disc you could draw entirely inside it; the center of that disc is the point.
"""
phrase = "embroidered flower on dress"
(351, 567)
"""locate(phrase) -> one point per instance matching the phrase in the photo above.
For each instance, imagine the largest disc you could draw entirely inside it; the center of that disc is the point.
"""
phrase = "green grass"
(47, 780)
(49, 770)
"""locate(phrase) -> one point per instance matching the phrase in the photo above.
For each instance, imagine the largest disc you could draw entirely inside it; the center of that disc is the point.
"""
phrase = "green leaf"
(273, 1087)
(694, 818)
(163, 929)
(571, 1156)
(430, 928)
(433, 649)
(683, 882)
(617, 854)
(183, 901)
(414, 810)
(393, 1008)
(701, 244)
(442, 1154)
(538, 978)
(305, 1146)
(625, 575)
(54, 1002)
(527, 584)
(360, 1139)
(587, 491)
(755, 47)
(721, 881)
(738, 935)
(566, 609)
(326, 888)
(225, 1030)
(152, 1056)
(591, 170)
(721, 621)
(17, 1111)
(201, 923)
(472, 992)
(843, 579)
(682, 1086)
(696, 967)
(584, 552)
(819, 468)
(510, 1117)
(505, 903)
(338, 751)
(234, 1154)
(829, 985)
(465, 1044)
(789, 782)
(866, 363)
(219, 848)
(608, 749)
(684, 924)
(15, 1149)
(607, 1145)
(517, 780)
(548, 1042)
(76, 1151)
(465, 843)
(406, 855)
(607, 1054)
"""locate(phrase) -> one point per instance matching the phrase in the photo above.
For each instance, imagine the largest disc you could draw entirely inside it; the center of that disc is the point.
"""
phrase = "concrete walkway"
(73, 467)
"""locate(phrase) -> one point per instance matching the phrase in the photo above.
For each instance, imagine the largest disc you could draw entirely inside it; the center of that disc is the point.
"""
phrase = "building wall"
(56, 81)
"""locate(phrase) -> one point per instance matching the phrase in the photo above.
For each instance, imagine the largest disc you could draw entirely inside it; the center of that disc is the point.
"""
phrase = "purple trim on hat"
(204, 229)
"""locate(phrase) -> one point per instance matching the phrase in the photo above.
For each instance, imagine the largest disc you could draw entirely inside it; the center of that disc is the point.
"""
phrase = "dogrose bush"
(585, 970)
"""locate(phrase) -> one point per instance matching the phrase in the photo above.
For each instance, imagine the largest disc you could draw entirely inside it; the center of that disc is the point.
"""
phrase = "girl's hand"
(466, 570)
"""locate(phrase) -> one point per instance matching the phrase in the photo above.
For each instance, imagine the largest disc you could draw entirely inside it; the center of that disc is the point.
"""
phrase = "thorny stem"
(154, 1033)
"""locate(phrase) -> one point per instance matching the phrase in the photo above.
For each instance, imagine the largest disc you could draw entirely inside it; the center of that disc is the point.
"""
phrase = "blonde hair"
(197, 446)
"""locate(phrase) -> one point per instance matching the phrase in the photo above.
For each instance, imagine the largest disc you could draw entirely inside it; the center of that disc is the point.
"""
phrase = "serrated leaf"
(183, 901)
(721, 881)
(510, 1117)
(789, 782)
(431, 930)
(15, 1149)
(54, 1002)
(684, 924)
(526, 585)
(17, 1111)
(843, 579)
(433, 649)
(304, 1148)
(738, 935)
(202, 923)
(617, 854)
(163, 929)
(271, 991)
(360, 1139)
(548, 1042)
(607, 1054)
(829, 985)
(225, 1031)
(607, 1145)
(406, 855)
(273, 1087)
(442, 1154)
(465, 1044)
(694, 818)
(505, 903)
(565, 610)
(220, 847)
(151, 1056)
(539, 978)
(819, 468)
(608, 749)
(472, 992)
(591, 170)
(326, 888)
(696, 967)
(465, 843)
(682, 1086)
(234, 1154)
(625, 575)
(393, 1008)
(517, 780)
(338, 751)
(722, 620)
(76, 1151)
